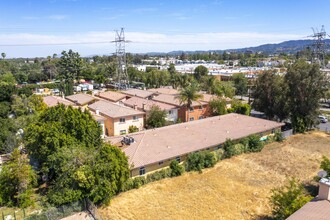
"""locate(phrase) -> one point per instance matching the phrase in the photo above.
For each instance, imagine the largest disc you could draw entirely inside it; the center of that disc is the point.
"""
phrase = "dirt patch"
(236, 188)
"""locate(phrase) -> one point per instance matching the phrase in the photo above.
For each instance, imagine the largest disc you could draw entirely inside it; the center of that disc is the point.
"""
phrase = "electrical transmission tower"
(318, 55)
(122, 77)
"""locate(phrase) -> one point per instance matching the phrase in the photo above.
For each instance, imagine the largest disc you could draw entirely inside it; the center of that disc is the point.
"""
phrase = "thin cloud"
(140, 42)
(57, 17)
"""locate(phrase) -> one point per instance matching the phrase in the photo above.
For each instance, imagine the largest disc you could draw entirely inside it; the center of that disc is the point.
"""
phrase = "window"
(160, 163)
(200, 107)
(135, 118)
(191, 109)
(178, 159)
(106, 132)
(200, 117)
(273, 131)
(170, 112)
(122, 120)
(191, 119)
(142, 171)
(122, 132)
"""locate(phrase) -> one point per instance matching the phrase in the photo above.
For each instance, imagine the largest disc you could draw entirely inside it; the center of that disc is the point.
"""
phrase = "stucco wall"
(118, 126)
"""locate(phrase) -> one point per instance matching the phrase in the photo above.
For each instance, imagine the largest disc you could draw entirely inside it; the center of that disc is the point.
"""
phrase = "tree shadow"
(263, 217)
(311, 188)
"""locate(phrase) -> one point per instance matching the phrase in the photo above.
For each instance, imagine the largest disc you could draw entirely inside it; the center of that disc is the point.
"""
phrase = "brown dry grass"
(236, 188)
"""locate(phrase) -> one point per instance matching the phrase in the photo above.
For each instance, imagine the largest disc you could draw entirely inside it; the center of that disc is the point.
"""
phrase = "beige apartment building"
(118, 118)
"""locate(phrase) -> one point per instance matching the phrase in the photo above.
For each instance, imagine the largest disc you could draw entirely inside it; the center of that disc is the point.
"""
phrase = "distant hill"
(291, 46)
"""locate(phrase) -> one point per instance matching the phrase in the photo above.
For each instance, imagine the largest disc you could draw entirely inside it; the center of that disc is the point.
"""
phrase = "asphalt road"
(324, 126)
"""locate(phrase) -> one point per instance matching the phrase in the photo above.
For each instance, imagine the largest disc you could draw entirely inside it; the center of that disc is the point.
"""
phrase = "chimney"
(135, 107)
(324, 189)
(97, 111)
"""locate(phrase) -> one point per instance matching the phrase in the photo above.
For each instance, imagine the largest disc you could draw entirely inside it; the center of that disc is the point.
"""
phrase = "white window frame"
(121, 132)
(135, 118)
(122, 120)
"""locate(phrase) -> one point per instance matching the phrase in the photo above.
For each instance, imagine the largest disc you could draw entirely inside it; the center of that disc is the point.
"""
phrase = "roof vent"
(127, 140)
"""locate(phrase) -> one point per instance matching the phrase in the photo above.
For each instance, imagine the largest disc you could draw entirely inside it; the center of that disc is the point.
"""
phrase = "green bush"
(255, 145)
(198, 161)
(176, 168)
(287, 199)
(278, 136)
(158, 175)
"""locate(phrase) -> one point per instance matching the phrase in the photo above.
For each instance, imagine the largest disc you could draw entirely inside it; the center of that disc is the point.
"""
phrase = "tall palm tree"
(188, 95)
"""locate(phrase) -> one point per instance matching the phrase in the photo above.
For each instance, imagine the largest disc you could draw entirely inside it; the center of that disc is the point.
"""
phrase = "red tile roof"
(164, 143)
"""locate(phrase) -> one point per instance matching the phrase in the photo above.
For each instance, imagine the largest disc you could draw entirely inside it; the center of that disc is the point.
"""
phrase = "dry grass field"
(236, 188)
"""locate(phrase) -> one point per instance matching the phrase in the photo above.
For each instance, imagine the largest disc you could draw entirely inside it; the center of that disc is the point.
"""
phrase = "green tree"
(240, 108)
(270, 95)
(156, 117)
(70, 65)
(218, 106)
(200, 71)
(306, 86)
(223, 89)
(188, 95)
(287, 199)
(3, 55)
(240, 83)
(16, 181)
(7, 135)
(72, 159)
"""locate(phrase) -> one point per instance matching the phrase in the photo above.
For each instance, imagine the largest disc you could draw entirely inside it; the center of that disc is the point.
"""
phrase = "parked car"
(323, 119)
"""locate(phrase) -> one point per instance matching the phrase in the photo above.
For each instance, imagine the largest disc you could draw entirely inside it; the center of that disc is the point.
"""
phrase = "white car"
(323, 119)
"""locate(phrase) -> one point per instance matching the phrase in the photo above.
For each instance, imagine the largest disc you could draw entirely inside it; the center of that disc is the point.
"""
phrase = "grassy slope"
(236, 188)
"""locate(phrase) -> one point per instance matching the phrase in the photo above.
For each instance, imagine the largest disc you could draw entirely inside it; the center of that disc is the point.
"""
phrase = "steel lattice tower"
(319, 46)
(122, 77)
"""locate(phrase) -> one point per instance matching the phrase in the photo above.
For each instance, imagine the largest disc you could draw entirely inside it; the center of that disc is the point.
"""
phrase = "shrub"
(219, 154)
(278, 136)
(255, 145)
(200, 160)
(176, 168)
(132, 129)
(288, 199)
(158, 175)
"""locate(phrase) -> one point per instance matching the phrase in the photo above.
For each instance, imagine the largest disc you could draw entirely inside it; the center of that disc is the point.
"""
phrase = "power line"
(52, 44)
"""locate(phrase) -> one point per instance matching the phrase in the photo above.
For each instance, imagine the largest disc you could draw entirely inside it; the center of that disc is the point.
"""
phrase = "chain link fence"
(56, 213)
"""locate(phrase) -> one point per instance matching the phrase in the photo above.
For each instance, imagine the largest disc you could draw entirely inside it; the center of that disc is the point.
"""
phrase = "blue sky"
(154, 25)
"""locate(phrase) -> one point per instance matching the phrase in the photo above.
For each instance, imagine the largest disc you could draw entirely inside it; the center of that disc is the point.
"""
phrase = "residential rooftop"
(167, 91)
(113, 110)
(51, 101)
(173, 100)
(81, 99)
(146, 104)
(138, 92)
(112, 96)
(152, 146)
(315, 209)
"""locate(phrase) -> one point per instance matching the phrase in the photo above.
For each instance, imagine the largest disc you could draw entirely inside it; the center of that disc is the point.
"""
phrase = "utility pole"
(318, 55)
(121, 77)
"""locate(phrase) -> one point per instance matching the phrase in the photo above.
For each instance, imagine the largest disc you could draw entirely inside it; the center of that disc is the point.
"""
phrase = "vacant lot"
(236, 188)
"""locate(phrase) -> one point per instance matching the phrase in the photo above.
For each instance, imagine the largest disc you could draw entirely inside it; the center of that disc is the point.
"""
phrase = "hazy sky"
(154, 25)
